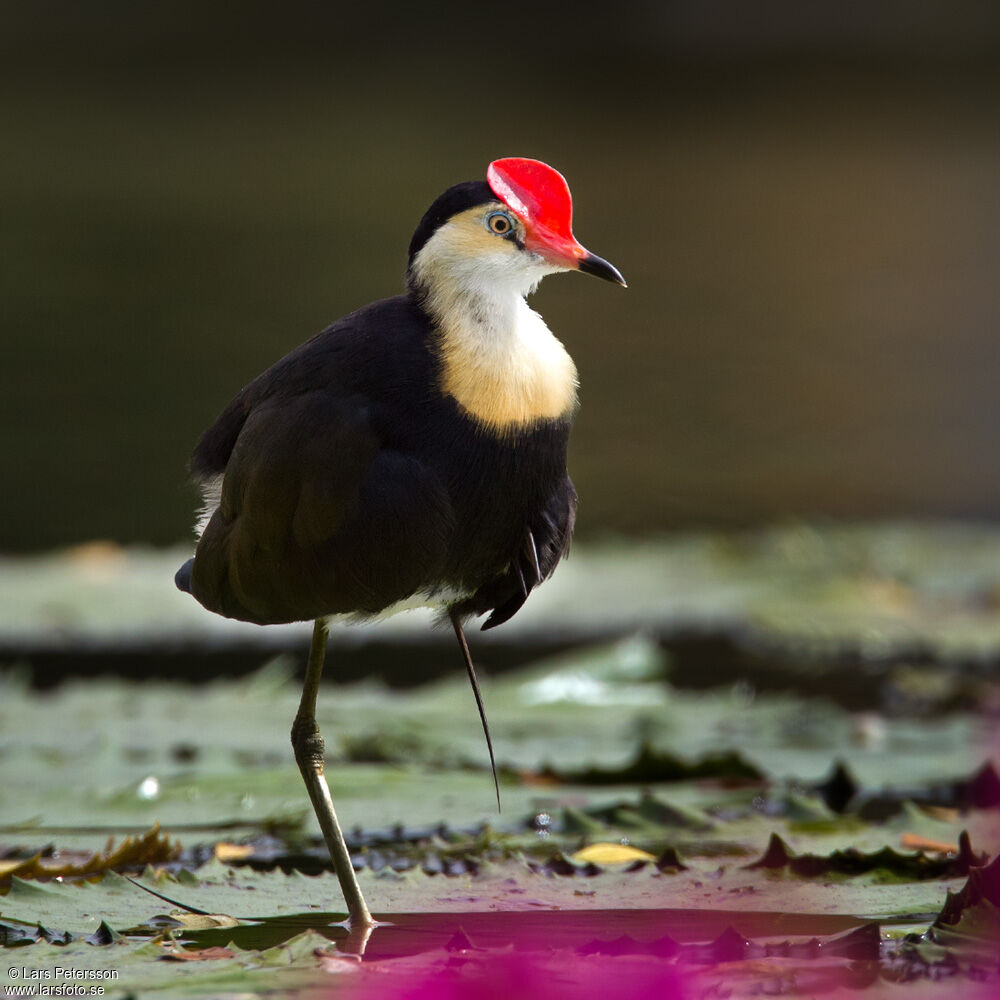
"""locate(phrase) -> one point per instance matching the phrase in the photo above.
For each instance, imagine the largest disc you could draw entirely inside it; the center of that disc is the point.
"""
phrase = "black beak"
(592, 264)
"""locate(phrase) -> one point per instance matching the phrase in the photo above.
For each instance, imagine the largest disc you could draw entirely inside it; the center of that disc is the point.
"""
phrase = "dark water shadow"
(636, 930)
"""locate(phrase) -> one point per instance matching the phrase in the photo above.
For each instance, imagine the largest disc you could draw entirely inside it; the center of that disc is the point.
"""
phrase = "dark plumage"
(351, 485)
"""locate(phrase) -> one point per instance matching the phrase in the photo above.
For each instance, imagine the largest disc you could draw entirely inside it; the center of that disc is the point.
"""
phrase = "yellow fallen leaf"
(197, 955)
(610, 854)
(204, 921)
(233, 852)
(919, 843)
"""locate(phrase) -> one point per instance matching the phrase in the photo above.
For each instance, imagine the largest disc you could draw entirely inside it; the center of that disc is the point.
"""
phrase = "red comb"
(535, 192)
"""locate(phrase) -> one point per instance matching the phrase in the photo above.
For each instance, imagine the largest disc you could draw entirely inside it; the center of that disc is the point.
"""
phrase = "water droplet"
(149, 788)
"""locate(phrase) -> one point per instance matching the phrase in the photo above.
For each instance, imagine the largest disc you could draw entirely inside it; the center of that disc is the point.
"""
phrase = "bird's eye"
(499, 223)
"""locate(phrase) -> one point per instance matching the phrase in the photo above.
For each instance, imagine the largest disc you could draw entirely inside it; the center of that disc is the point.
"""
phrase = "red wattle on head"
(539, 196)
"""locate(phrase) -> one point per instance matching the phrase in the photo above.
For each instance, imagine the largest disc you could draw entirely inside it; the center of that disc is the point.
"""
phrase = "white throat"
(499, 360)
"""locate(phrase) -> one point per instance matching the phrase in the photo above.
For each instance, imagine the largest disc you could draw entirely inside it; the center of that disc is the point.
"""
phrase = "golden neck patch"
(499, 360)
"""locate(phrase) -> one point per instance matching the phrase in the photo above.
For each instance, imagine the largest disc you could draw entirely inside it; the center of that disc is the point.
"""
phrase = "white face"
(481, 250)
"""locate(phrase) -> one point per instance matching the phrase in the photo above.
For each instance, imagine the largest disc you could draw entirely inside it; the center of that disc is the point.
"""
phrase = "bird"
(412, 453)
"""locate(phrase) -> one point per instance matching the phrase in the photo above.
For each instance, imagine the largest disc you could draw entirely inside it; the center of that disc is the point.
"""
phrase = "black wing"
(545, 541)
(319, 513)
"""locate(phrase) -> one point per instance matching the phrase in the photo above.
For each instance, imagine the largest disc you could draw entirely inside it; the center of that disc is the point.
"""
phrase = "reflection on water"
(553, 953)
(692, 934)
(809, 325)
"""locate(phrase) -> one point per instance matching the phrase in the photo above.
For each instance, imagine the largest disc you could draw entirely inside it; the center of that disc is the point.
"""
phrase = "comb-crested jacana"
(414, 452)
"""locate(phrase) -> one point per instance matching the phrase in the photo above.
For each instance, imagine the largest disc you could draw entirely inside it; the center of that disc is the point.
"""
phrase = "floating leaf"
(853, 862)
(610, 854)
(651, 765)
(669, 861)
(983, 885)
(104, 936)
(839, 789)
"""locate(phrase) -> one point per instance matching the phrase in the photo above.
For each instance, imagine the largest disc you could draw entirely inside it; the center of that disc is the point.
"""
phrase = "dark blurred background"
(804, 197)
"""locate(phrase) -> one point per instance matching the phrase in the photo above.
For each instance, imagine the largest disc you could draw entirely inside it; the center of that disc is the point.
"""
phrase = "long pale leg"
(310, 754)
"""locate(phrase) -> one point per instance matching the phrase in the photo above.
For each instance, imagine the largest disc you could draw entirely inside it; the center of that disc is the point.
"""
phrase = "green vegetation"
(786, 781)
